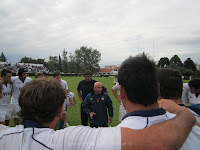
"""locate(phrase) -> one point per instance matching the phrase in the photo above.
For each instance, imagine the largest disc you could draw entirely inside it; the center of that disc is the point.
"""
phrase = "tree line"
(187, 68)
(82, 59)
(86, 58)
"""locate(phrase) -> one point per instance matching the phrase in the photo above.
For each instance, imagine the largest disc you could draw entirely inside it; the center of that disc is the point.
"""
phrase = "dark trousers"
(96, 126)
(84, 117)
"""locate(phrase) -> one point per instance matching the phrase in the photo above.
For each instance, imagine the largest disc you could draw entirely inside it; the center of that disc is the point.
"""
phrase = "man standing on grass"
(18, 82)
(42, 107)
(122, 110)
(84, 88)
(96, 105)
(139, 90)
(63, 121)
(5, 107)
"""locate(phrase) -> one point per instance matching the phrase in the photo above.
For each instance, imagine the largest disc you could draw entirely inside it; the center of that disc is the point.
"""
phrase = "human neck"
(22, 79)
(138, 107)
(177, 100)
(53, 124)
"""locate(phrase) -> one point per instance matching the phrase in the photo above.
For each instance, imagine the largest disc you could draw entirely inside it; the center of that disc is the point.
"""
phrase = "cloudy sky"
(116, 28)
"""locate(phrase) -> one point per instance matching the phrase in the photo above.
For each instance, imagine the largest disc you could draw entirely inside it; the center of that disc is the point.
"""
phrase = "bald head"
(97, 88)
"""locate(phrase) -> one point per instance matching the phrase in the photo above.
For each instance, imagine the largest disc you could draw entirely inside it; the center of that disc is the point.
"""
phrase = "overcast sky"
(116, 28)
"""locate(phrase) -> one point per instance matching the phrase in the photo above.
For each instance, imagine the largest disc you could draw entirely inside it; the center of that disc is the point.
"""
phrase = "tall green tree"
(87, 59)
(3, 57)
(163, 62)
(189, 64)
(53, 63)
(175, 60)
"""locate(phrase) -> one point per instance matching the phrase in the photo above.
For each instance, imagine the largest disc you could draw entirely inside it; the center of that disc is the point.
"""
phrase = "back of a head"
(171, 84)
(138, 77)
(194, 83)
(56, 73)
(21, 71)
(38, 74)
(41, 99)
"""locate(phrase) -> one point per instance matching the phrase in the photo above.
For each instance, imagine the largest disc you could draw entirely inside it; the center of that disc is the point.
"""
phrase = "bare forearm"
(170, 134)
(115, 94)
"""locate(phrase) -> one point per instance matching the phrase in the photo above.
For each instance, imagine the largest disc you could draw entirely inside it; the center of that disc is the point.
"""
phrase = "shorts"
(15, 109)
(5, 114)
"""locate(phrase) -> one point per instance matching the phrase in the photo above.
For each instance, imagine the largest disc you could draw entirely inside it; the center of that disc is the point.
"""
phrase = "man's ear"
(123, 95)
(60, 111)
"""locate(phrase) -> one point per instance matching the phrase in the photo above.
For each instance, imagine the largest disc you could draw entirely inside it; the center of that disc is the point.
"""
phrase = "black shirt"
(87, 87)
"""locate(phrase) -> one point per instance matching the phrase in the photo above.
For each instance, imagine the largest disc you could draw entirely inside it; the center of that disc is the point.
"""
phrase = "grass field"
(73, 112)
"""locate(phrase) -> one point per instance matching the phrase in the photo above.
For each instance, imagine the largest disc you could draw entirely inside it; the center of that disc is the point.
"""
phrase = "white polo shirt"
(143, 119)
(5, 100)
(188, 97)
(17, 85)
(70, 138)
(64, 84)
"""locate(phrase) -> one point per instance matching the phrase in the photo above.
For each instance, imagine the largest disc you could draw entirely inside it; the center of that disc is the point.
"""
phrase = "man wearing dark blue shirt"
(84, 88)
(96, 105)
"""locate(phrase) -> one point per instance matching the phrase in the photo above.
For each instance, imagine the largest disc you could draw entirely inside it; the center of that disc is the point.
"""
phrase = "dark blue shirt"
(99, 105)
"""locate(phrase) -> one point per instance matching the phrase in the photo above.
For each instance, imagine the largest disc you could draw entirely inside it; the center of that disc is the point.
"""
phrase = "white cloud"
(116, 28)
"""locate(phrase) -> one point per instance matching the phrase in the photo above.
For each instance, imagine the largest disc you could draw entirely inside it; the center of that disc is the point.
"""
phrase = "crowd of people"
(146, 120)
(31, 68)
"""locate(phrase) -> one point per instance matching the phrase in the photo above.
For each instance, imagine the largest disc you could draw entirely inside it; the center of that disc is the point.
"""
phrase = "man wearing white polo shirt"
(5, 107)
(139, 90)
(42, 107)
(17, 83)
(63, 121)
(191, 92)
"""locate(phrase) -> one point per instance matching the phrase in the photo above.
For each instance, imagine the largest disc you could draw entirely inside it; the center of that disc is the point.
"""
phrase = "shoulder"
(5, 130)
(14, 78)
(28, 79)
(88, 96)
(82, 82)
(100, 138)
(193, 140)
(186, 86)
(94, 80)
(133, 122)
(63, 81)
(105, 94)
